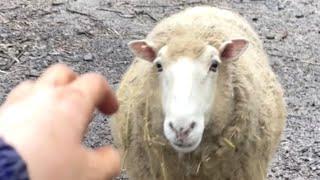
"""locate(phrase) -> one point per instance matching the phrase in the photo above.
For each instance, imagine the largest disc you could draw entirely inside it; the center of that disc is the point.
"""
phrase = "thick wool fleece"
(245, 126)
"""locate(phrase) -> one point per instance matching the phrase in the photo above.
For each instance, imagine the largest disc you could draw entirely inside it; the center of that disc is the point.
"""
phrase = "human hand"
(45, 120)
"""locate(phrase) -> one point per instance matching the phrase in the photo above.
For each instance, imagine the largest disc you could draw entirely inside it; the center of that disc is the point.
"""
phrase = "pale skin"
(45, 121)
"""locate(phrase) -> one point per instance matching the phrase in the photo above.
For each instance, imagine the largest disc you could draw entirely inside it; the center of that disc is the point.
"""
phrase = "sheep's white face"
(187, 88)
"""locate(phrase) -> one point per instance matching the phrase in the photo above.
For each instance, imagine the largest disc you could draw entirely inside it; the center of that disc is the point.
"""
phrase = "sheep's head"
(187, 71)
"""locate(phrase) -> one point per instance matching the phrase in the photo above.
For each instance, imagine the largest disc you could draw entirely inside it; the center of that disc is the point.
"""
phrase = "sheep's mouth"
(182, 145)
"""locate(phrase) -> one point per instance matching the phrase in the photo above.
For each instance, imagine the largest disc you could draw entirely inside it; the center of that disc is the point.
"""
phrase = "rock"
(254, 19)
(58, 2)
(306, 159)
(4, 35)
(270, 36)
(88, 57)
(3, 19)
(33, 73)
(280, 7)
(109, 50)
(299, 15)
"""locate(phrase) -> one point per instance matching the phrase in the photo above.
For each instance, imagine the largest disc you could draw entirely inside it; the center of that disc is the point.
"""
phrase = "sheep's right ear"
(142, 49)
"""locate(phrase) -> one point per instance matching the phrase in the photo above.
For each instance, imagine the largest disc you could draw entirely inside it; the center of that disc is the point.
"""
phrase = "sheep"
(199, 101)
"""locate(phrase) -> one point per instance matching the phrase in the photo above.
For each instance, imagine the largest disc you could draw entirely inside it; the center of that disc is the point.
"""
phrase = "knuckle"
(60, 66)
(72, 98)
(95, 78)
(75, 94)
(60, 69)
(64, 69)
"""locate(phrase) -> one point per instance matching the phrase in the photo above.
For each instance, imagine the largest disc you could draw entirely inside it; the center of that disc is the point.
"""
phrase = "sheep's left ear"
(233, 49)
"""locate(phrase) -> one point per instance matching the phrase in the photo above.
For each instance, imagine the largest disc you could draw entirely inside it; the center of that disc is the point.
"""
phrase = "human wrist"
(12, 165)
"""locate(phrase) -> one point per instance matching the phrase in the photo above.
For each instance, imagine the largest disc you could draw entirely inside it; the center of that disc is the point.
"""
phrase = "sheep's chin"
(187, 149)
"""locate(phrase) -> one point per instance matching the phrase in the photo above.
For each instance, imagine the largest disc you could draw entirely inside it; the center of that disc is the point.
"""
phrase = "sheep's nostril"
(180, 132)
(171, 125)
(192, 125)
(186, 133)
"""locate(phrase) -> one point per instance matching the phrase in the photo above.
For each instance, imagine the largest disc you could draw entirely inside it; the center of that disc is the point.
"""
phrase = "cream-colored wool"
(245, 125)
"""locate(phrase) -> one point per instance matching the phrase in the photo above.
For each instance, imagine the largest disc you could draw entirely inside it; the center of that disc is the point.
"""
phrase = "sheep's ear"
(142, 49)
(233, 49)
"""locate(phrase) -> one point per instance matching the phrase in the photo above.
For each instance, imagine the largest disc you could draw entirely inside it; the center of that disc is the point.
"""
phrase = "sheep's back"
(209, 23)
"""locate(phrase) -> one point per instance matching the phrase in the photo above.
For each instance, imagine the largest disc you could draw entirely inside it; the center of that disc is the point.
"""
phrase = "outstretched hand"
(45, 120)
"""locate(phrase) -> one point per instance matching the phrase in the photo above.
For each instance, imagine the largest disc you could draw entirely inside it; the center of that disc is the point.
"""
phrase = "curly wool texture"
(246, 122)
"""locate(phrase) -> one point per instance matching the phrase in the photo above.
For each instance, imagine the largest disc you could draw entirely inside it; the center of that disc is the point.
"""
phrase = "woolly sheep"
(199, 101)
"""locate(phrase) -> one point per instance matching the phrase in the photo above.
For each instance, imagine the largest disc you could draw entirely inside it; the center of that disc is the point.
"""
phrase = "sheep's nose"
(180, 132)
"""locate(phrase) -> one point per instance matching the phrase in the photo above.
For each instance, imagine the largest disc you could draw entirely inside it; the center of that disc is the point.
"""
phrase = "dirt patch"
(93, 36)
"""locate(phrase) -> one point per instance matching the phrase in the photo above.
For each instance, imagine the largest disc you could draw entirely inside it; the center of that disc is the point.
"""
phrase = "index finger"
(95, 91)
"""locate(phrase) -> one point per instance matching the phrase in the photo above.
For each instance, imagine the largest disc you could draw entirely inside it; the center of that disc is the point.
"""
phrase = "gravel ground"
(92, 36)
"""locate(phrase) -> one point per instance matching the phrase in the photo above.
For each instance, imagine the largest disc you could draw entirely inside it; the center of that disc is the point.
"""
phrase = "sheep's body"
(247, 120)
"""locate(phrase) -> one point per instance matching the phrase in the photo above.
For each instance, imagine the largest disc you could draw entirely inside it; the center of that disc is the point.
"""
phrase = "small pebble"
(58, 2)
(88, 57)
(255, 19)
(270, 36)
(299, 15)
(109, 50)
(33, 73)
(4, 35)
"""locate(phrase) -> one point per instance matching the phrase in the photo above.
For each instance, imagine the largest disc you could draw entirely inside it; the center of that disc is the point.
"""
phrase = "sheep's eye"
(214, 65)
(159, 66)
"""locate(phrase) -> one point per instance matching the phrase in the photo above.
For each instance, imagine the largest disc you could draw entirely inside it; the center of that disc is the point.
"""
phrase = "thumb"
(104, 163)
